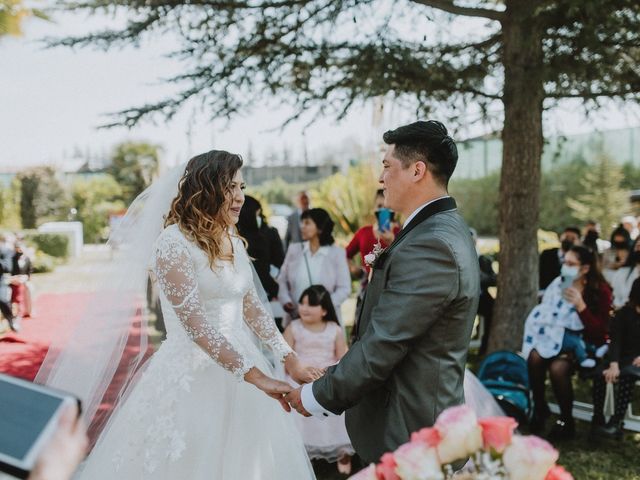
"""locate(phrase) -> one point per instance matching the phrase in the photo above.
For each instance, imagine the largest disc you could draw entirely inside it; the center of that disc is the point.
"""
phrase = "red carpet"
(22, 353)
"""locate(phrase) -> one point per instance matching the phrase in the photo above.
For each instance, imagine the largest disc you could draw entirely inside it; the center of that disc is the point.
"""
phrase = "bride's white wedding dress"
(190, 415)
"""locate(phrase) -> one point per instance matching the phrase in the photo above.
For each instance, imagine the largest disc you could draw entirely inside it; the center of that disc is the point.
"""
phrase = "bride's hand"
(276, 389)
(302, 373)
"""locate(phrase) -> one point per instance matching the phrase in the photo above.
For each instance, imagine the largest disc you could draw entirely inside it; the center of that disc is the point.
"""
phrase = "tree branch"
(448, 6)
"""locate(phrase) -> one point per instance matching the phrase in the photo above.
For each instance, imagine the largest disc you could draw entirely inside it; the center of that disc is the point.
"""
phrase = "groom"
(407, 363)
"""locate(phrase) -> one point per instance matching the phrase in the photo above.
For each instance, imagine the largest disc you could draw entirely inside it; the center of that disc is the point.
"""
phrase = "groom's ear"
(419, 170)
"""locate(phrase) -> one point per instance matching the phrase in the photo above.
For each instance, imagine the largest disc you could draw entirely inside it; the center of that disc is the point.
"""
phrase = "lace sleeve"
(262, 324)
(175, 273)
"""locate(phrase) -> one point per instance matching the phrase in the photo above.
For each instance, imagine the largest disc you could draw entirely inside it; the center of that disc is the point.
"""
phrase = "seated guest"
(316, 261)
(552, 258)
(581, 309)
(623, 278)
(622, 368)
(591, 237)
(616, 256)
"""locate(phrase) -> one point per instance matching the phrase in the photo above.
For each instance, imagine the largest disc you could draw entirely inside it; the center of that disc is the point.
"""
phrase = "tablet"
(29, 416)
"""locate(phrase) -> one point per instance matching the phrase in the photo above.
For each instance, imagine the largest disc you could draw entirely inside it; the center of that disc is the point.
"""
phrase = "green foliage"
(42, 197)
(348, 197)
(52, 244)
(478, 202)
(602, 198)
(277, 191)
(630, 177)
(327, 55)
(94, 200)
(9, 206)
(43, 263)
(134, 165)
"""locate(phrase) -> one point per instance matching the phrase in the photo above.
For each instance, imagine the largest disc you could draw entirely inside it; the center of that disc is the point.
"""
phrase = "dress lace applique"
(176, 276)
(262, 324)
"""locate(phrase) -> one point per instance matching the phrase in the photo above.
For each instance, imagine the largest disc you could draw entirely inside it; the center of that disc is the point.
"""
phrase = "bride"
(205, 406)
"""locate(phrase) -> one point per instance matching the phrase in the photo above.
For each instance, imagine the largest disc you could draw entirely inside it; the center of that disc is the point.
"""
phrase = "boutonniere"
(371, 258)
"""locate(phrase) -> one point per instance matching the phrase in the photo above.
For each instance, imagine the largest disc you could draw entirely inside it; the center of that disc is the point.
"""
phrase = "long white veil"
(85, 361)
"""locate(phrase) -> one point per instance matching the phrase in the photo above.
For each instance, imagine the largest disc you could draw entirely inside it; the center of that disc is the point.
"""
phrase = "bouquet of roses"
(494, 452)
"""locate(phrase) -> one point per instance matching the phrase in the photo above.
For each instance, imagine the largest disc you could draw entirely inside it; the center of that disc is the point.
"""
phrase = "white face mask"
(569, 272)
(259, 221)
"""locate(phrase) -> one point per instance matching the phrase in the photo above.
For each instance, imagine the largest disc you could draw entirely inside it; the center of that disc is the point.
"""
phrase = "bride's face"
(235, 197)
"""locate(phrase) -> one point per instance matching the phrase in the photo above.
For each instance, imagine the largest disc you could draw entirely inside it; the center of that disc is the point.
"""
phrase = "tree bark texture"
(519, 198)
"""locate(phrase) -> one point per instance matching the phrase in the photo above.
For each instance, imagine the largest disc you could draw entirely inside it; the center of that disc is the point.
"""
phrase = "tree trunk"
(520, 176)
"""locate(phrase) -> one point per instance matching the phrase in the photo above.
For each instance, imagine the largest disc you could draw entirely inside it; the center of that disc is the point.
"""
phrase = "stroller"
(505, 375)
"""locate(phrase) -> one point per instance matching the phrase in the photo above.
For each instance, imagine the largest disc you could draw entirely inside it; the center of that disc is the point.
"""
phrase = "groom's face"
(396, 181)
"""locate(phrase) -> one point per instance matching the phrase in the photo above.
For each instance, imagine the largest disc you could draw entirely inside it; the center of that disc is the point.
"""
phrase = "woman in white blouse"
(623, 278)
(314, 261)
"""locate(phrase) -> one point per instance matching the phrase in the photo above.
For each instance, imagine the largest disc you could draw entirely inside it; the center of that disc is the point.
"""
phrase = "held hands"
(294, 399)
(572, 295)
(302, 373)
(612, 373)
(276, 389)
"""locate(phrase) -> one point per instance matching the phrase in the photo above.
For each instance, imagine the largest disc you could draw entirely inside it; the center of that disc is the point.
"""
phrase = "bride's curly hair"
(200, 208)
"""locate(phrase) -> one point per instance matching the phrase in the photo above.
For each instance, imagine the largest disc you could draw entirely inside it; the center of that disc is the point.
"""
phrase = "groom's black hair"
(428, 142)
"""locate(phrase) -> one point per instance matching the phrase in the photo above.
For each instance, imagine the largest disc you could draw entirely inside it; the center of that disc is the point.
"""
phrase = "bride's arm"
(176, 277)
(261, 322)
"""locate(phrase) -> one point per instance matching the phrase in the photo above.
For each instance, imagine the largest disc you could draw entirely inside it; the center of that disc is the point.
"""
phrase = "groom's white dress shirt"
(309, 402)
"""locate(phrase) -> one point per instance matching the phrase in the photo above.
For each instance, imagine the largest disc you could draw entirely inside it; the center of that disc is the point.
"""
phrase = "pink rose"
(558, 473)
(386, 469)
(497, 432)
(368, 473)
(430, 436)
(529, 458)
(460, 433)
(417, 461)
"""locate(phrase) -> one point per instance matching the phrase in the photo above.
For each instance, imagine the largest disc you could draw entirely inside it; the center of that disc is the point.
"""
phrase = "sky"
(53, 100)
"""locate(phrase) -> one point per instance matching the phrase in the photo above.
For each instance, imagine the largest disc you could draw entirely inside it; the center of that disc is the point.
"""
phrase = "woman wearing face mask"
(263, 244)
(574, 309)
(623, 278)
(616, 256)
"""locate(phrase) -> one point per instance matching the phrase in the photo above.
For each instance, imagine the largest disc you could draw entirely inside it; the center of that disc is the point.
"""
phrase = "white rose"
(460, 433)
(529, 458)
(416, 461)
(369, 258)
(368, 473)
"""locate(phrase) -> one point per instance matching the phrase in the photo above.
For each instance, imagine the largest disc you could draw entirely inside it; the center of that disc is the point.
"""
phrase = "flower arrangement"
(494, 452)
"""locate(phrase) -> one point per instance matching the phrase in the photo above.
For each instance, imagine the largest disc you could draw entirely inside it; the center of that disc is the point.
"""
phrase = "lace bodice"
(215, 306)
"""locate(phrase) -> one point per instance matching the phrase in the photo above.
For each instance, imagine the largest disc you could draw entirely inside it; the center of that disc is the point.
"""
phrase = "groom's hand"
(295, 400)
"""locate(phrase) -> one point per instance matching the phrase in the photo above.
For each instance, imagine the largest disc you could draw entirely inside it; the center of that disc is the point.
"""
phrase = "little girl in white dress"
(319, 341)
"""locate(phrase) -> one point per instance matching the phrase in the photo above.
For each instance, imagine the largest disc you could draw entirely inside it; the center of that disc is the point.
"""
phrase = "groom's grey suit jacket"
(407, 364)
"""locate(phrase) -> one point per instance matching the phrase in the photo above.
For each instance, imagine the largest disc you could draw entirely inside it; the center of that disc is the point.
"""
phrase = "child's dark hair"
(318, 295)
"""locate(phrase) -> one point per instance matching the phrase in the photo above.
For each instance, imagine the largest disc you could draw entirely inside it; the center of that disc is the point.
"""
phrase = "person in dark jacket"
(488, 278)
(622, 369)
(264, 244)
(6, 262)
(552, 258)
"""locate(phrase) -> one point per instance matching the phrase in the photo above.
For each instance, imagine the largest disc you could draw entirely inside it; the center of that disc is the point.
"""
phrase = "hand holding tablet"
(41, 436)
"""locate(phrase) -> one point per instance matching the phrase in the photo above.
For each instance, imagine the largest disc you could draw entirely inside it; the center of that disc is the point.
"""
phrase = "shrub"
(43, 263)
(53, 244)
